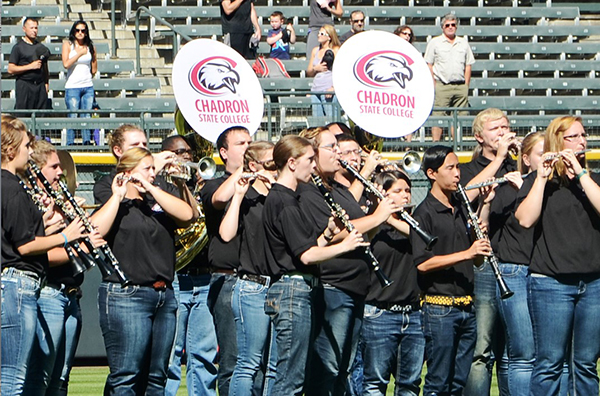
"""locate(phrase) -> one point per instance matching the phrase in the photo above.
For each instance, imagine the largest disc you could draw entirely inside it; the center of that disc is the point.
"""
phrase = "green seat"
(27, 11)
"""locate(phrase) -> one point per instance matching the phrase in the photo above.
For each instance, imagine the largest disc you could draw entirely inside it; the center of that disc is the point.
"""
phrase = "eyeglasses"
(573, 138)
(409, 34)
(80, 30)
(329, 147)
(323, 34)
(450, 25)
(358, 21)
(182, 151)
(348, 152)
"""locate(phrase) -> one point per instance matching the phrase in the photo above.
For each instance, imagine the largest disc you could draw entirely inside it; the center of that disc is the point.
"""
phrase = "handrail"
(138, 65)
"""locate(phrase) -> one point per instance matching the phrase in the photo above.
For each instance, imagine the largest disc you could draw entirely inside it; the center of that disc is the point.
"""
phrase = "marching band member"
(223, 257)
(446, 276)
(292, 246)
(561, 201)
(24, 257)
(138, 321)
(392, 340)
(195, 335)
(341, 298)
(253, 325)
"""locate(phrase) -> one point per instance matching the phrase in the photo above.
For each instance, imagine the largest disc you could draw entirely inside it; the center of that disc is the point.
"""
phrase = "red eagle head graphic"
(379, 69)
(215, 76)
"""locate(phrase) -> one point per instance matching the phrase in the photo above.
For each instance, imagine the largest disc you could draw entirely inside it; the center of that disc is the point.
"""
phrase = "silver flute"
(551, 157)
(499, 180)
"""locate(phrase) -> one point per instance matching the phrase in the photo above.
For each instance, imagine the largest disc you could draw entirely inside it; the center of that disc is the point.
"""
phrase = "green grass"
(90, 381)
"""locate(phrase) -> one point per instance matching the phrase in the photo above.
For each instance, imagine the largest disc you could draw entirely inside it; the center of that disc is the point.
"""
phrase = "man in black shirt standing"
(492, 131)
(223, 258)
(240, 24)
(446, 276)
(28, 62)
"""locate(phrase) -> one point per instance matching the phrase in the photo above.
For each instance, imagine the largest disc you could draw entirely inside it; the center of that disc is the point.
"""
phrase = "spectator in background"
(406, 32)
(240, 25)
(321, 12)
(28, 62)
(357, 21)
(279, 38)
(79, 58)
(319, 67)
(449, 58)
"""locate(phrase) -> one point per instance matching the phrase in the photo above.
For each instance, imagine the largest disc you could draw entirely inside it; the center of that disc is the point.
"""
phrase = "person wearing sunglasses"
(357, 23)
(79, 58)
(405, 32)
(449, 58)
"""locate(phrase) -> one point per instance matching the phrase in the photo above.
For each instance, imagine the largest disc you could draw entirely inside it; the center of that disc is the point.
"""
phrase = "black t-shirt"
(394, 253)
(239, 20)
(567, 234)
(21, 223)
(288, 233)
(252, 241)
(64, 274)
(23, 54)
(450, 226)
(223, 255)
(350, 271)
(511, 242)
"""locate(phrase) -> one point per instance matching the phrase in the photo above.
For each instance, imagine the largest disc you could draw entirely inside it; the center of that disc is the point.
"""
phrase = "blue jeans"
(561, 309)
(393, 343)
(322, 106)
(58, 329)
(289, 303)
(138, 326)
(489, 343)
(514, 312)
(219, 302)
(79, 99)
(338, 322)
(254, 339)
(19, 320)
(195, 337)
(450, 335)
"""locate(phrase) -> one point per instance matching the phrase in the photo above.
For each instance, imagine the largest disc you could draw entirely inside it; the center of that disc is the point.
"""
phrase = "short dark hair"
(31, 19)
(387, 179)
(344, 137)
(356, 12)
(345, 128)
(434, 157)
(278, 14)
(169, 142)
(223, 137)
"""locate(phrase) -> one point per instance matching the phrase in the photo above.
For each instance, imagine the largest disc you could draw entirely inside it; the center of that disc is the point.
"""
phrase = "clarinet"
(106, 266)
(429, 240)
(505, 292)
(338, 212)
(81, 262)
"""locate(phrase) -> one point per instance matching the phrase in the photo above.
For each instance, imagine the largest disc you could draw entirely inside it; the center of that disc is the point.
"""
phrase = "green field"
(90, 381)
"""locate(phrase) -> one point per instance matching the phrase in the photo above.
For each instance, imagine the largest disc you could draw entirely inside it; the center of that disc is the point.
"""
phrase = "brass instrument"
(410, 163)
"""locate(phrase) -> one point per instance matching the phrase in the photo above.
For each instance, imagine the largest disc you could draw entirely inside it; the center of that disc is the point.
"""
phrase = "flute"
(505, 292)
(339, 213)
(499, 180)
(551, 157)
(370, 187)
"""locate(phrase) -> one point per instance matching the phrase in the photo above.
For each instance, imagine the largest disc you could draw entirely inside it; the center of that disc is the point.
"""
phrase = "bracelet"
(582, 173)
(66, 240)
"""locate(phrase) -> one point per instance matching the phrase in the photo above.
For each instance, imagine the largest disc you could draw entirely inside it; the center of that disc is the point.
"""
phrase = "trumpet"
(410, 162)
(206, 167)
(370, 187)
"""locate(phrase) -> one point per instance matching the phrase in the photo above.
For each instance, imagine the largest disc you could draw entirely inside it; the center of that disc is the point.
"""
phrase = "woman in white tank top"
(79, 58)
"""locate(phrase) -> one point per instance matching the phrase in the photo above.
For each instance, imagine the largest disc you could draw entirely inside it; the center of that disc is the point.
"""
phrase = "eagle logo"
(215, 76)
(384, 69)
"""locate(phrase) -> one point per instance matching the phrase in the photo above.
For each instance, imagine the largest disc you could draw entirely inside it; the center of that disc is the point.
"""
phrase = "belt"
(194, 271)
(449, 301)
(394, 307)
(312, 280)
(215, 270)
(26, 274)
(160, 285)
(263, 280)
(66, 290)
(455, 83)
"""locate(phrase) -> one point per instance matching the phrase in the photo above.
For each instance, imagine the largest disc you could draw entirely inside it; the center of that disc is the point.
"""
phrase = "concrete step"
(102, 24)
(80, 8)
(157, 71)
(129, 43)
(93, 17)
(145, 54)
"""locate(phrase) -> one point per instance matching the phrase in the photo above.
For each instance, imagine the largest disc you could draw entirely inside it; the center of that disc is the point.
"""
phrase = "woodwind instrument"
(499, 180)
(505, 292)
(339, 213)
(370, 187)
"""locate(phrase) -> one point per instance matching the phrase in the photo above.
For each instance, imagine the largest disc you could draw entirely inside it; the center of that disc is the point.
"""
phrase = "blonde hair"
(491, 114)
(527, 146)
(254, 151)
(12, 136)
(131, 158)
(334, 39)
(117, 138)
(554, 142)
(41, 151)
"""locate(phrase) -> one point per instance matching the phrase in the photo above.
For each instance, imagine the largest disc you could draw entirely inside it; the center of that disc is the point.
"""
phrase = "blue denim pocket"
(249, 287)
(438, 310)
(372, 312)
(115, 290)
(273, 301)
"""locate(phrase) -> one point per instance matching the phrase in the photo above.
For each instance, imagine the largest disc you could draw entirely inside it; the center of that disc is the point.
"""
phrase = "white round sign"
(215, 88)
(383, 84)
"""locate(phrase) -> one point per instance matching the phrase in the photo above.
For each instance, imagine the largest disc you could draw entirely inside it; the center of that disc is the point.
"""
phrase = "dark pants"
(241, 43)
(30, 95)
